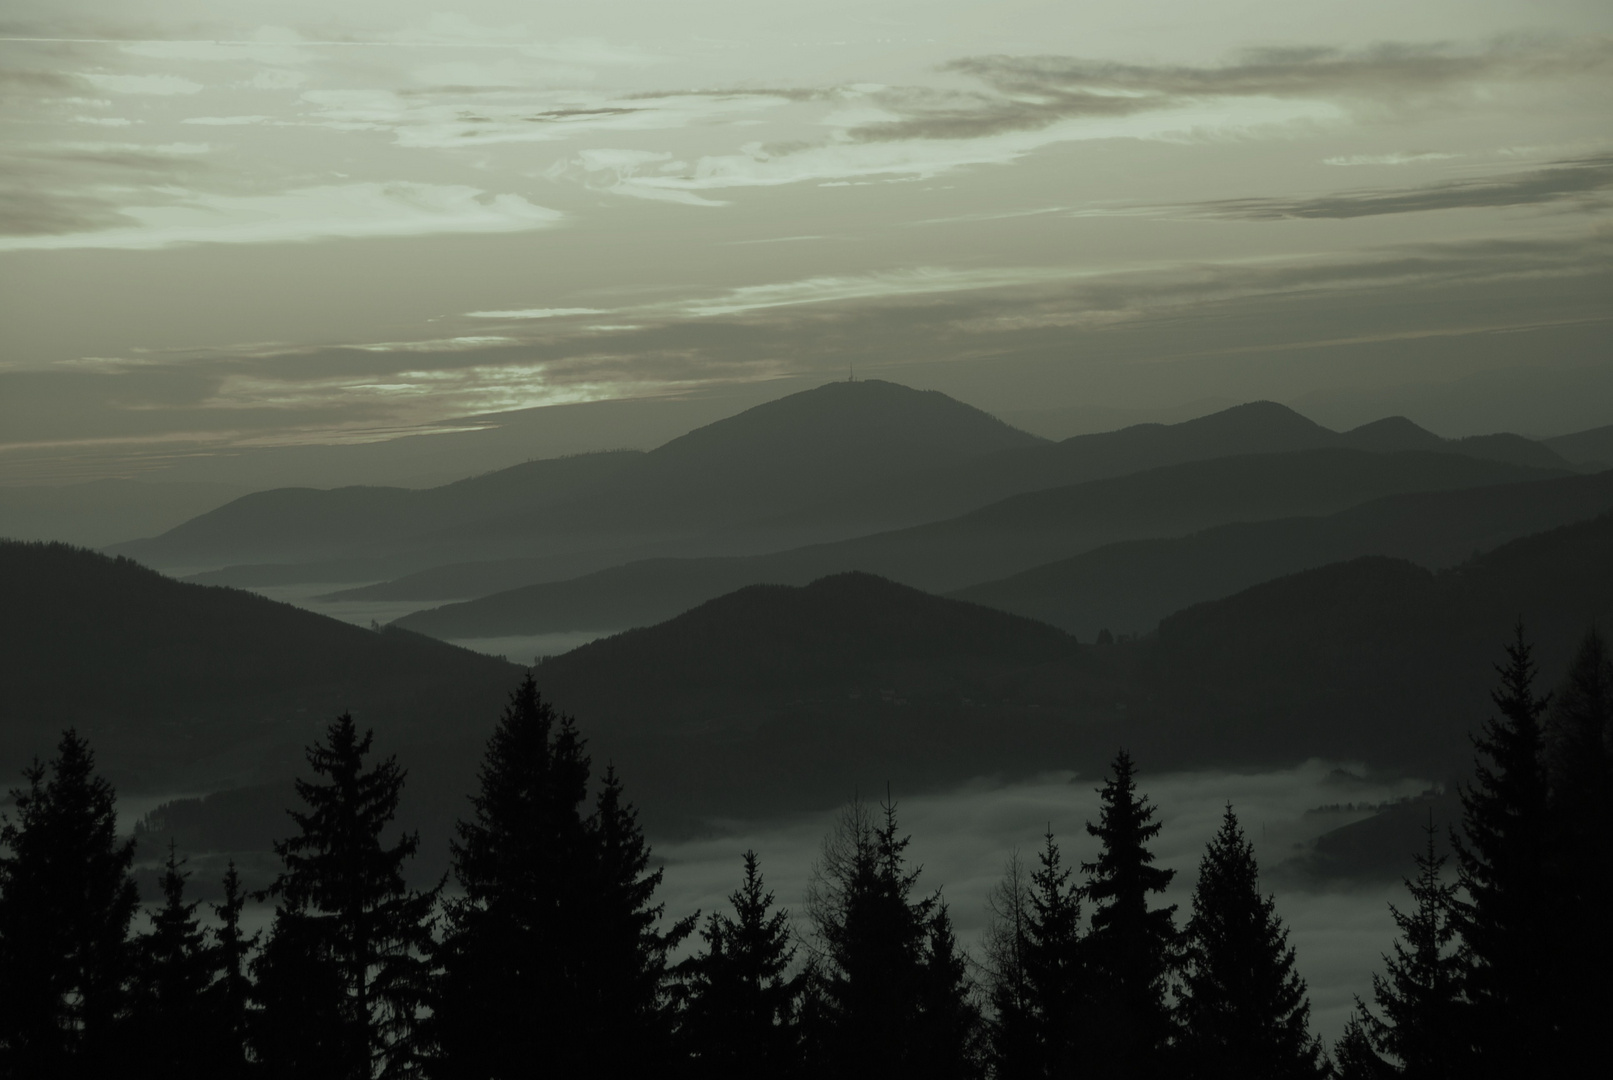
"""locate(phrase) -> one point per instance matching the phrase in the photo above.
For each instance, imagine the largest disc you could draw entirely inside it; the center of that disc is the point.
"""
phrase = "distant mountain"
(767, 460)
(1589, 448)
(1006, 537)
(1131, 585)
(776, 698)
(296, 524)
(184, 687)
(101, 512)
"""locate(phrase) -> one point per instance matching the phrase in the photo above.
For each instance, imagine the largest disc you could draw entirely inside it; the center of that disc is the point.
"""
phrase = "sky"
(236, 229)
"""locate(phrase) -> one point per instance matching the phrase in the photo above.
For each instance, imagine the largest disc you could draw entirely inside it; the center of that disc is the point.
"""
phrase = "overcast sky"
(304, 223)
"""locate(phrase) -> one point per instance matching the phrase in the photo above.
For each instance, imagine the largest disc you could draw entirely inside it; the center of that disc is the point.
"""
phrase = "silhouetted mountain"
(778, 698)
(1130, 586)
(185, 687)
(101, 512)
(1590, 448)
(1017, 533)
(292, 524)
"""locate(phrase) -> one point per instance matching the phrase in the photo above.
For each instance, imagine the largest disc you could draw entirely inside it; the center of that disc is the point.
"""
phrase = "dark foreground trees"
(66, 902)
(890, 993)
(554, 953)
(1242, 1010)
(344, 975)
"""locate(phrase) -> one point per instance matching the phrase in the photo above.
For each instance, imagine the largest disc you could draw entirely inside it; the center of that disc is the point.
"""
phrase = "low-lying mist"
(963, 838)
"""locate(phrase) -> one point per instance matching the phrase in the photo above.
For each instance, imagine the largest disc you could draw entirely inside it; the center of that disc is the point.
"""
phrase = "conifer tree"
(231, 990)
(1501, 858)
(66, 902)
(1420, 994)
(1242, 1008)
(626, 981)
(1131, 946)
(553, 951)
(883, 966)
(1354, 1057)
(1038, 966)
(1579, 736)
(742, 1017)
(342, 979)
(173, 1028)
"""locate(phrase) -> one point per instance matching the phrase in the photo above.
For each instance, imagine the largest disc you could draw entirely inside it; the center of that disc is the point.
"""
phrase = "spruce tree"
(66, 902)
(741, 1019)
(1242, 1009)
(1354, 1057)
(626, 982)
(882, 962)
(1419, 996)
(1501, 858)
(1131, 946)
(1579, 732)
(1037, 963)
(231, 990)
(174, 1029)
(342, 978)
(553, 952)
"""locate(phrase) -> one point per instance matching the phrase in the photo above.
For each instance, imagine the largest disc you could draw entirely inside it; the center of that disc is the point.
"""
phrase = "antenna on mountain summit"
(851, 372)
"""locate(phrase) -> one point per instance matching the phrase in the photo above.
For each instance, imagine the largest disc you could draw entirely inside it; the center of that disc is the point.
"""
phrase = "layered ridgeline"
(1005, 537)
(776, 696)
(841, 460)
(186, 688)
(770, 460)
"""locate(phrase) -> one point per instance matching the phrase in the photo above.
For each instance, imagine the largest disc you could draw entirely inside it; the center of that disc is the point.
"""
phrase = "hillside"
(183, 687)
(776, 698)
(1006, 537)
(1593, 448)
(1130, 586)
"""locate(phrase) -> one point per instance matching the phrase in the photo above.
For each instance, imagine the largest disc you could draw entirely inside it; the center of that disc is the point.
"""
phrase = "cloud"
(535, 313)
(1028, 93)
(328, 212)
(1581, 179)
(159, 85)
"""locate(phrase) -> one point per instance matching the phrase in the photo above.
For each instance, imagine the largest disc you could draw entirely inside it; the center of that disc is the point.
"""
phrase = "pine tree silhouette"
(174, 1028)
(231, 990)
(343, 977)
(1131, 946)
(66, 902)
(1501, 857)
(553, 952)
(742, 1017)
(1354, 1057)
(1420, 994)
(1242, 1008)
(1579, 732)
(882, 965)
(1038, 971)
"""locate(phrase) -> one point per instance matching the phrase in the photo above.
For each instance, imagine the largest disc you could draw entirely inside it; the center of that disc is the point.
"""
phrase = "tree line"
(552, 954)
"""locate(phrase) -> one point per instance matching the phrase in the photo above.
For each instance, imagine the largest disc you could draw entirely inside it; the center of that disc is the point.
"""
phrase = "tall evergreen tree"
(1579, 745)
(1501, 858)
(231, 990)
(1420, 994)
(1131, 946)
(66, 902)
(553, 951)
(342, 979)
(1243, 1010)
(1038, 971)
(174, 1030)
(741, 1019)
(1354, 1057)
(883, 963)
(626, 983)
